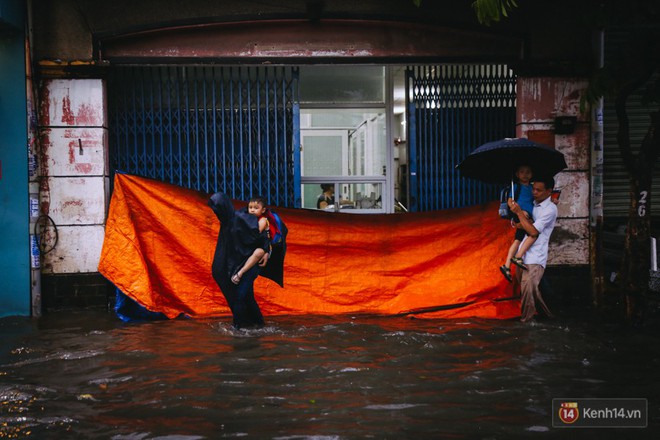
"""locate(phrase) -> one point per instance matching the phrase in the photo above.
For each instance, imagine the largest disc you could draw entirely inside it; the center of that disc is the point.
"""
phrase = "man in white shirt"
(535, 259)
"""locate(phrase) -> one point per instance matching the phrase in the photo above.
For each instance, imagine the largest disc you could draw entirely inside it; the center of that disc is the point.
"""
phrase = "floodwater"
(87, 375)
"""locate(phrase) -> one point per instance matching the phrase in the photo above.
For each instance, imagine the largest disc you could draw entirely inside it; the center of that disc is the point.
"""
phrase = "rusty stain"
(45, 201)
(532, 89)
(44, 106)
(568, 94)
(72, 203)
(86, 115)
(68, 117)
(83, 168)
(72, 209)
(72, 152)
(44, 185)
(79, 132)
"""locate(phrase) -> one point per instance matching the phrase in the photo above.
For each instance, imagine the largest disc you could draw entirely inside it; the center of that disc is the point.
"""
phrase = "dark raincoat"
(238, 238)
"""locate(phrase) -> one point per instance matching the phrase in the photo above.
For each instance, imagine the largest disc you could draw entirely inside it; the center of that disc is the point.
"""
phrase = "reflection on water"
(88, 375)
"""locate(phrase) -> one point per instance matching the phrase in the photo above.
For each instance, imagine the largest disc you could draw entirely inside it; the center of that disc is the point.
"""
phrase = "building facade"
(380, 99)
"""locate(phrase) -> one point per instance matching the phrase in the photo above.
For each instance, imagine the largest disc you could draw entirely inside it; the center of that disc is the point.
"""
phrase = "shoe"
(506, 272)
(519, 262)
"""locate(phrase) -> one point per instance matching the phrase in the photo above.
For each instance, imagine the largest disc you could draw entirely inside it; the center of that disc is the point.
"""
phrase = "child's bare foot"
(236, 278)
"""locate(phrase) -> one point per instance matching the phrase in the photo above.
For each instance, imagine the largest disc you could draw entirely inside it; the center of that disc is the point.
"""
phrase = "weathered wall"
(557, 36)
(73, 121)
(74, 144)
(73, 138)
(540, 100)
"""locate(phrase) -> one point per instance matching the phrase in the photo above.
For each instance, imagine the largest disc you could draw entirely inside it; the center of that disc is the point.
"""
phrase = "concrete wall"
(74, 160)
(540, 100)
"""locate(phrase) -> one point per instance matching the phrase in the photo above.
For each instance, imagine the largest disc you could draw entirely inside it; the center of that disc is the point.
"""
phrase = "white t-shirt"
(545, 215)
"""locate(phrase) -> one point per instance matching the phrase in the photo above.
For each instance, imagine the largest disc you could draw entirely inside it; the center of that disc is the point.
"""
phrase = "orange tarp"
(160, 240)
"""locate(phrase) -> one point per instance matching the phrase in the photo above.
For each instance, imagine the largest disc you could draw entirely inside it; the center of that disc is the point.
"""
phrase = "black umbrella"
(496, 162)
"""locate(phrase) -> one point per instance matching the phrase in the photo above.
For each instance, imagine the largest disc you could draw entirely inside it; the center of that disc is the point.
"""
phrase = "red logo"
(569, 412)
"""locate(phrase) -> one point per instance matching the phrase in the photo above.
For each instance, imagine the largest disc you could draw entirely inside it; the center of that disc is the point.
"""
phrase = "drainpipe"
(596, 208)
(33, 175)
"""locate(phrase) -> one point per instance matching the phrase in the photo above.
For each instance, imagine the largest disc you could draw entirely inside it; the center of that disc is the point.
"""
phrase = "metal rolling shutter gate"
(453, 109)
(208, 128)
(616, 181)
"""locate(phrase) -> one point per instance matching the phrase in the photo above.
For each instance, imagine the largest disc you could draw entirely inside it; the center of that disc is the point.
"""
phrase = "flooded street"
(88, 375)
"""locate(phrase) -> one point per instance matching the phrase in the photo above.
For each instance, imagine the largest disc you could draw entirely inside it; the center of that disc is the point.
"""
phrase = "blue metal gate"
(453, 109)
(210, 128)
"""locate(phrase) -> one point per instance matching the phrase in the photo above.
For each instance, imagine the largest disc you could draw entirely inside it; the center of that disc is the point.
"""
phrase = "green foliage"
(489, 11)
(602, 84)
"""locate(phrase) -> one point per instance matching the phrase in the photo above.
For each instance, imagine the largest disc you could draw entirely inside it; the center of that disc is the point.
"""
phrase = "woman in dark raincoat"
(238, 238)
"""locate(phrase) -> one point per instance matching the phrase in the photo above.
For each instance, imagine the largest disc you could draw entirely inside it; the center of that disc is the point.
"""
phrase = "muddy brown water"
(87, 375)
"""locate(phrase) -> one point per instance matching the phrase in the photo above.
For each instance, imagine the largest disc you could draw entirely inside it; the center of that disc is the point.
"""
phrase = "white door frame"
(386, 181)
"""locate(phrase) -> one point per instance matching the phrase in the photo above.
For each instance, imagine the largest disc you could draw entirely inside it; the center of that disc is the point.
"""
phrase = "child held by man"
(257, 207)
(522, 191)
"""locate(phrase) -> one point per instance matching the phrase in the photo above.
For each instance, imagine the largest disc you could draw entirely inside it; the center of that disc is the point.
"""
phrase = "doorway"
(344, 132)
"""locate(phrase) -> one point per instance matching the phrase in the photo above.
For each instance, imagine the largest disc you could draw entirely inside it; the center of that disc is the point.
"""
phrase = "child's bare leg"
(254, 259)
(512, 251)
(525, 246)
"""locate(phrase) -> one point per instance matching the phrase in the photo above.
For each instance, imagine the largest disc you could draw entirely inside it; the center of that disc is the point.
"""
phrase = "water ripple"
(310, 377)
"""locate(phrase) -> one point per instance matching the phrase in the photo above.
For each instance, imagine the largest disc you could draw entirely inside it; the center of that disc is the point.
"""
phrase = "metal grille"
(616, 178)
(452, 110)
(230, 129)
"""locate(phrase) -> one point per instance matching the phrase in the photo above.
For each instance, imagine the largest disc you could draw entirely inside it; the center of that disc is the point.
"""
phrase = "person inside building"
(326, 199)
(536, 257)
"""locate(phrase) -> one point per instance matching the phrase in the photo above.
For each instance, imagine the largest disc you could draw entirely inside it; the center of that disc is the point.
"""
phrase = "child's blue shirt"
(525, 198)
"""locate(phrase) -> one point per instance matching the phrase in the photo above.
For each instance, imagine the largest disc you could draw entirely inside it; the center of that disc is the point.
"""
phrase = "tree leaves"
(489, 11)
(602, 84)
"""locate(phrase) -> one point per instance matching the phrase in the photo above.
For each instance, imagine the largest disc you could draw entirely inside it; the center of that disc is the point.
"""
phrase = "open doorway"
(346, 138)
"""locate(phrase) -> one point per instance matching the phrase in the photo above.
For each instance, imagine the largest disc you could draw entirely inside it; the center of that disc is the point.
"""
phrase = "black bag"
(504, 210)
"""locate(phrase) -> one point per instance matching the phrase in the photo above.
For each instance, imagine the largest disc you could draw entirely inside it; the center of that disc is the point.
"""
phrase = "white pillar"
(73, 134)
